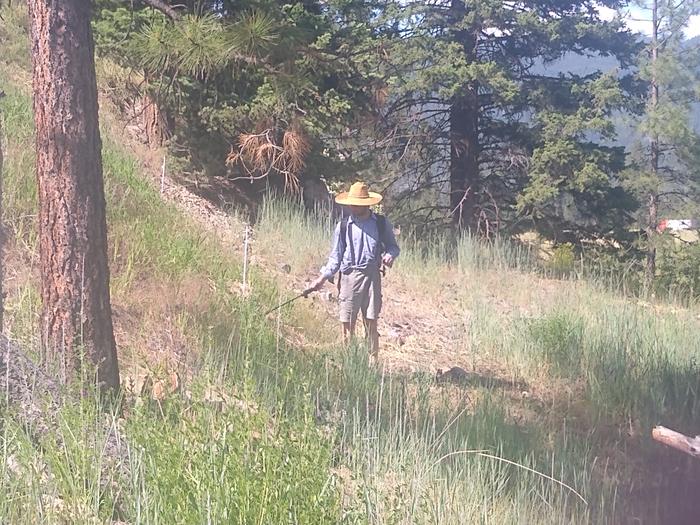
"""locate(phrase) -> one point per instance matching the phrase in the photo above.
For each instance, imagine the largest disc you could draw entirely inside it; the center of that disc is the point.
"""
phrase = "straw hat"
(359, 195)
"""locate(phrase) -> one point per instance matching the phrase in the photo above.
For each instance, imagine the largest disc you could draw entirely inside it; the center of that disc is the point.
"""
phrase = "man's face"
(359, 211)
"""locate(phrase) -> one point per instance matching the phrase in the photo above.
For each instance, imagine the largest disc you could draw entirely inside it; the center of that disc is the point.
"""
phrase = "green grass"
(231, 467)
(19, 184)
(14, 35)
(603, 370)
(150, 236)
(188, 463)
(314, 417)
(426, 459)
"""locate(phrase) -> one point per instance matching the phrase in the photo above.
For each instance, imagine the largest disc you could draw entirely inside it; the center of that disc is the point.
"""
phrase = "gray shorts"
(360, 290)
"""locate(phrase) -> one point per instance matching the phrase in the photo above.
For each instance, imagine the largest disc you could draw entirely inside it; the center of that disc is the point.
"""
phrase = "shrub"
(563, 260)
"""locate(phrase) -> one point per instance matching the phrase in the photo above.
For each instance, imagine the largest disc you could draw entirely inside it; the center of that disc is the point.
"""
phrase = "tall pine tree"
(664, 172)
(479, 90)
(76, 320)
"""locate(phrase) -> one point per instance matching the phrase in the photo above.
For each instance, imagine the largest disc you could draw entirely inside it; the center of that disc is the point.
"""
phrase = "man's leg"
(372, 337)
(349, 305)
(370, 311)
(348, 332)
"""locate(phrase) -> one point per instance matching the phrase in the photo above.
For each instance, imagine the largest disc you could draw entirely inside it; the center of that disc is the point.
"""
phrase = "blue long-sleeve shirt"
(364, 251)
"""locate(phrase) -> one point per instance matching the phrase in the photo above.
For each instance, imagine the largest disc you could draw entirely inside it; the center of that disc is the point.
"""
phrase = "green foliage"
(223, 72)
(572, 184)
(563, 259)
(199, 45)
(322, 437)
(326, 438)
(678, 268)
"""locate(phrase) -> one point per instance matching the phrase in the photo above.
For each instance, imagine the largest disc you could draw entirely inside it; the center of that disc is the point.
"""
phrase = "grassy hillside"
(275, 423)
(311, 439)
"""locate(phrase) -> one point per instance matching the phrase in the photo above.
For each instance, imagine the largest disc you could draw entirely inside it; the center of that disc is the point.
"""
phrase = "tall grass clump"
(558, 338)
(423, 457)
(498, 254)
(291, 235)
(624, 362)
(643, 366)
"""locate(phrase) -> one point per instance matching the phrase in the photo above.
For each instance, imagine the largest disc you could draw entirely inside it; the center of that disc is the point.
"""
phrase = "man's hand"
(388, 260)
(315, 286)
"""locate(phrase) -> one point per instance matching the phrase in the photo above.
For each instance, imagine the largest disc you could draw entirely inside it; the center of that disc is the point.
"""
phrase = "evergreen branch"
(163, 7)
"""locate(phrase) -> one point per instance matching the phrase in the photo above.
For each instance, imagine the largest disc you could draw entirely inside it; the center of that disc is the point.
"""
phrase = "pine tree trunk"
(464, 165)
(653, 220)
(652, 198)
(76, 315)
(464, 137)
(156, 125)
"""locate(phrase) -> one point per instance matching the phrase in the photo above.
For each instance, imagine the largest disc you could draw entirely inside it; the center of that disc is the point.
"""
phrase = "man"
(362, 244)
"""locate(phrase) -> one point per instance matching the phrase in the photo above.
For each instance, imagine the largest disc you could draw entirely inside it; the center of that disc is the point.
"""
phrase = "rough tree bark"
(464, 164)
(76, 315)
(464, 136)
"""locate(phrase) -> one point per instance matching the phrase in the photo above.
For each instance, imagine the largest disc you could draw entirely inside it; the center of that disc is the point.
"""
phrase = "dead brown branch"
(262, 154)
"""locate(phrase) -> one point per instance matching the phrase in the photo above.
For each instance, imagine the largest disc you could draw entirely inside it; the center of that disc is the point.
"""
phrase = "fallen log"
(673, 439)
